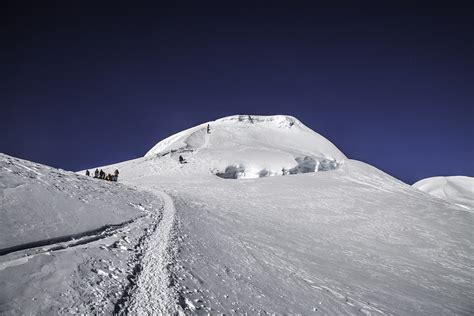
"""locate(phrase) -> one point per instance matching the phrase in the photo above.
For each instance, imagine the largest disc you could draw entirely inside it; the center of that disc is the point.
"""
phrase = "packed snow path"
(154, 293)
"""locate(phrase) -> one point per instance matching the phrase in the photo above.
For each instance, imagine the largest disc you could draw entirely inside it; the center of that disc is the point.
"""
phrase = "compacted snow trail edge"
(154, 293)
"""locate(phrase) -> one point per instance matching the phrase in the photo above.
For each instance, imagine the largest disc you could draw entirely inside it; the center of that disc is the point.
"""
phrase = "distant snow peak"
(458, 190)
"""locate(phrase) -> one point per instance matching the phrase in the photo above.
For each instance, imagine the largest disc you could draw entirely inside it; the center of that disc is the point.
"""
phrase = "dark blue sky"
(391, 85)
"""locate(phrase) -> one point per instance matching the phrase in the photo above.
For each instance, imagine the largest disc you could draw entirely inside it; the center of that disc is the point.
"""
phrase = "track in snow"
(72, 240)
(154, 293)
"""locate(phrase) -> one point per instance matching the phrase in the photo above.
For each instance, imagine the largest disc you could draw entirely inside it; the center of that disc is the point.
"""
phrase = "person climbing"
(88, 173)
(181, 159)
(101, 174)
(208, 129)
(96, 173)
(116, 173)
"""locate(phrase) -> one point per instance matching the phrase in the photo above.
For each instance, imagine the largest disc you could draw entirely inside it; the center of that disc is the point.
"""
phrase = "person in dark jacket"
(181, 159)
(116, 173)
(96, 173)
(208, 128)
(101, 174)
(88, 173)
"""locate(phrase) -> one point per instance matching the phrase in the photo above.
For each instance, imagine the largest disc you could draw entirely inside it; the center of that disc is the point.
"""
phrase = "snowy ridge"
(458, 190)
(280, 121)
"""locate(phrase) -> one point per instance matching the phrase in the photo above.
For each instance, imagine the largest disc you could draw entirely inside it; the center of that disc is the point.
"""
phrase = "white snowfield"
(69, 243)
(265, 216)
(457, 189)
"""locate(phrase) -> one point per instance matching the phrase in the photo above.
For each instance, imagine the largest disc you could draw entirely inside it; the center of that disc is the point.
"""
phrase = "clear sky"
(101, 82)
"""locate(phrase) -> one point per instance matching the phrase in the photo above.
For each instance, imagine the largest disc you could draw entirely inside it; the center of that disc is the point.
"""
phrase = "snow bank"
(458, 190)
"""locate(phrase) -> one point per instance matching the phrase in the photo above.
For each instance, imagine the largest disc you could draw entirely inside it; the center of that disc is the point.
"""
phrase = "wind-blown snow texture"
(458, 190)
(69, 243)
(239, 228)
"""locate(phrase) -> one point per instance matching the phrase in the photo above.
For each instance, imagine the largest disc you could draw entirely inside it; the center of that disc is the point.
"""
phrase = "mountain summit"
(251, 146)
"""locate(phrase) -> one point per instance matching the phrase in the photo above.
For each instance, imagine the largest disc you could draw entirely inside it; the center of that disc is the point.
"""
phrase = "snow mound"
(250, 146)
(458, 190)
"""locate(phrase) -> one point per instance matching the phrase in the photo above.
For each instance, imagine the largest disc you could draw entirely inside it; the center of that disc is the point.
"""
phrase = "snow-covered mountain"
(265, 216)
(457, 189)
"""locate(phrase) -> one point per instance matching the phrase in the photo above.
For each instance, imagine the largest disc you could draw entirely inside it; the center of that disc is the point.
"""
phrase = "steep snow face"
(244, 146)
(457, 189)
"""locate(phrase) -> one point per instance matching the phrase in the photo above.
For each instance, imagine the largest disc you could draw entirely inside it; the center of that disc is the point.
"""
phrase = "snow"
(242, 146)
(153, 293)
(68, 243)
(40, 203)
(354, 239)
(458, 190)
(266, 216)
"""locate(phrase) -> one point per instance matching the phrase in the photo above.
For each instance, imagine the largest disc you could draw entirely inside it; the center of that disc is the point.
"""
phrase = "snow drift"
(458, 190)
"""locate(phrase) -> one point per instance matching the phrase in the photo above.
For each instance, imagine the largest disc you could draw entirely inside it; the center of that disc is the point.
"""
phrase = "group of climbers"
(102, 175)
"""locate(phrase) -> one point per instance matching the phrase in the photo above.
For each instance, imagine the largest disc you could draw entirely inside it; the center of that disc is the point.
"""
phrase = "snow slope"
(268, 216)
(352, 240)
(40, 203)
(458, 190)
(348, 240)
(69, 243)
